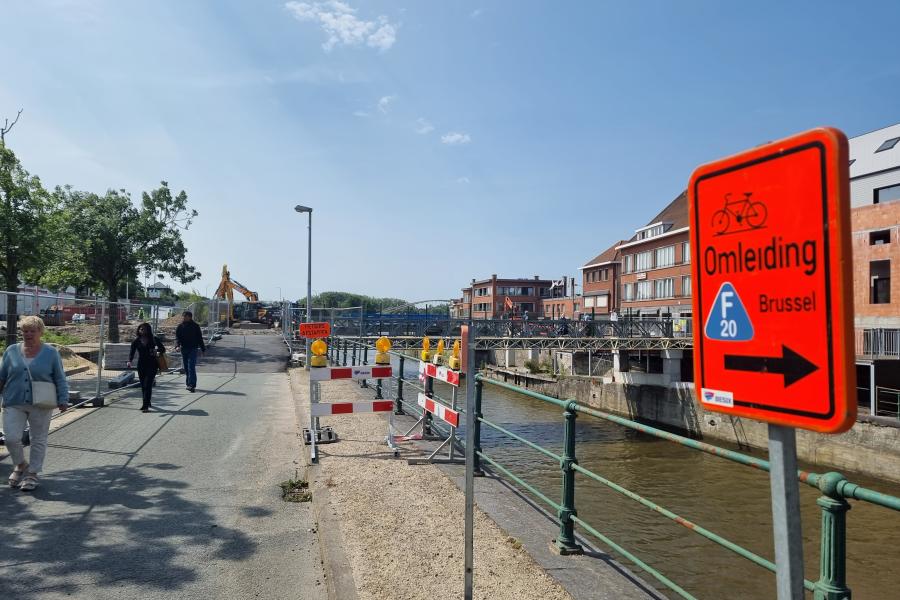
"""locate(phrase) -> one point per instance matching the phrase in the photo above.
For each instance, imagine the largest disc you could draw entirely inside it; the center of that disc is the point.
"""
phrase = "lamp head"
(302, 209)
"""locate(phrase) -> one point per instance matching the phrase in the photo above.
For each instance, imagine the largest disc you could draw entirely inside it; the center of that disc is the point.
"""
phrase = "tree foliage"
(370, 304)
(24, 205)
(102, 240)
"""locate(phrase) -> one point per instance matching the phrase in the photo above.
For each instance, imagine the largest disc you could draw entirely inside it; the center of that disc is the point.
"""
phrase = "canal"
(729, 499)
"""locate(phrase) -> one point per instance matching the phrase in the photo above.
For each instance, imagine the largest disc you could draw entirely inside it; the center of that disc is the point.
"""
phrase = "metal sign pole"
(786, 512)
(470, 461)
(313, 422)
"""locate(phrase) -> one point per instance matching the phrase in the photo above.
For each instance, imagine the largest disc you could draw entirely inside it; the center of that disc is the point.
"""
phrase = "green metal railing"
(835, 488)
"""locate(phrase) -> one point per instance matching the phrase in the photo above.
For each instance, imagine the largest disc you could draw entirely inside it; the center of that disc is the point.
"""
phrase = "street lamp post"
(305, 209)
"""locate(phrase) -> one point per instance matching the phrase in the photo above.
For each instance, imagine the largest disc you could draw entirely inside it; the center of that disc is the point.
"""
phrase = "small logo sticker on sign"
(718, 397)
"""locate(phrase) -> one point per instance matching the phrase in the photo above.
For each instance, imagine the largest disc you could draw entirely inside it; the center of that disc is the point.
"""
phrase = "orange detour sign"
(772, 283)
(315, 330)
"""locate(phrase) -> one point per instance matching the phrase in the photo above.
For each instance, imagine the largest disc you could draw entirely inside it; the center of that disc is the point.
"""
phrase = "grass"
(62, 339)
(295, 490)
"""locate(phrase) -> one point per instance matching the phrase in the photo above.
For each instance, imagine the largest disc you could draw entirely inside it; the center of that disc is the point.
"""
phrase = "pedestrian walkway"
(181, 502)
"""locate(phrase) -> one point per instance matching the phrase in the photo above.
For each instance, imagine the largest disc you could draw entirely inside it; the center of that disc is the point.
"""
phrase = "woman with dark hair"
(148, 348)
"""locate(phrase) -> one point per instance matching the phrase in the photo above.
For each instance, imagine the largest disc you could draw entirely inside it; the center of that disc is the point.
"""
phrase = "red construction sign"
(315, 330)
(772, 283)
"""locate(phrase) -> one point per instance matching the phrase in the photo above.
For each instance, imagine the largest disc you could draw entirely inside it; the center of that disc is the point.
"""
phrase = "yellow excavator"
(251, 310)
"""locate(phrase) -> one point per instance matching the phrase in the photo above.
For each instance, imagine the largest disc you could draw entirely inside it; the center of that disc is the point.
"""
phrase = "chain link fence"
(94, 336)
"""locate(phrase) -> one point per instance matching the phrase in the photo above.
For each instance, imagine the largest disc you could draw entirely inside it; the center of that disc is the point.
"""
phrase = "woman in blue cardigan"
(23, 363)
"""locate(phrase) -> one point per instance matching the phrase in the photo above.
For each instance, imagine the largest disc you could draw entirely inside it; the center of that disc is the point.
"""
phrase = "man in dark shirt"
(189, 339)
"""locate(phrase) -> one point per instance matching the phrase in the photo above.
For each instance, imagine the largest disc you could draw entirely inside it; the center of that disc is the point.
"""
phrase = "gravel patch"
(402, 525)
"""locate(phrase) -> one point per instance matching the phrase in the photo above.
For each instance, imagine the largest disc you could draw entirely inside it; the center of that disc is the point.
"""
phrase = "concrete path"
(182, 502)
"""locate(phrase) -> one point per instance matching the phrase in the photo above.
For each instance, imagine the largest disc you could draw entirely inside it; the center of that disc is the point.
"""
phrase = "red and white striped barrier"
(436, 408)
(442, 373)
(346, 408)
(355, 372)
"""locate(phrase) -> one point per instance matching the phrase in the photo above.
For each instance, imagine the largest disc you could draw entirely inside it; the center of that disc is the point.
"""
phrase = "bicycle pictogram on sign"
(739, 215)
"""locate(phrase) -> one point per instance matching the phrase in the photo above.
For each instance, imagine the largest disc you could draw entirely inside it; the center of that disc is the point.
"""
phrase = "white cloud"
(361, 114)
(464, 180)
(343, 27)
(384, 103)
(455, 138)
(423, 126)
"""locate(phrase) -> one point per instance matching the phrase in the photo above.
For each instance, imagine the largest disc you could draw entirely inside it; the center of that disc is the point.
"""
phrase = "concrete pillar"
(620, 364)
(509, 358)
(672, 365)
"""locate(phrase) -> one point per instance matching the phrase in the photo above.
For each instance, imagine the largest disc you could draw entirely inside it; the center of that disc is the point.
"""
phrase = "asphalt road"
(181, 502)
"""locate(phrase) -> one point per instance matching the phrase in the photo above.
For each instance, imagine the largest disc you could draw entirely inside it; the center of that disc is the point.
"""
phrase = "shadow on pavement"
(54, 541)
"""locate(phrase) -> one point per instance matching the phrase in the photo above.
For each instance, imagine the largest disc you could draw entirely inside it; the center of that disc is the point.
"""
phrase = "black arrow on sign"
(793, 366)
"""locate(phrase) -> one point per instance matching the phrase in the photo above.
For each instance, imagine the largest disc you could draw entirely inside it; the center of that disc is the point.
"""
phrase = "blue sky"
(436, 141)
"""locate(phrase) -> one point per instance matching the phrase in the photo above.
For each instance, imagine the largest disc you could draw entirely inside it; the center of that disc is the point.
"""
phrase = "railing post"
(354, 353)
(378, 395)
(477, 428)
(426, 423)
(832, 583)
(365, 382)
(346, 342)
(565, 541)
(398, 402)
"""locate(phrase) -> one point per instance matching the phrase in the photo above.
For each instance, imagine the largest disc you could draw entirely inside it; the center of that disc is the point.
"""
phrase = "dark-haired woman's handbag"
(163, 362)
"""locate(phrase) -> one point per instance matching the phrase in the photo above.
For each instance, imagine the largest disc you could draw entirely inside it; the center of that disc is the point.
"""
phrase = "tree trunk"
(113, 311)
(12, 319)
(12, 306)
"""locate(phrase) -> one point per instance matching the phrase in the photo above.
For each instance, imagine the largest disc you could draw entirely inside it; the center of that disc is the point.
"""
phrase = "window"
(880, 276)
(665, 257)
(481, 292)
(665, 288)
(467, 297)
(644, 290)
(523, 306)
(686, 285)
(589, 302)
(605, 274)
(545, 292)
(887, 194)
(628, 292)
(629, 263)
(686, 252)
(651, 232)
(643, 261)
(888, 144)
(482, 307)
(602, 301)
(877, 238)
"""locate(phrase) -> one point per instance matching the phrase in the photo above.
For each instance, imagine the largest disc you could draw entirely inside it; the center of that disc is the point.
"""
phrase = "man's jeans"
(189, 359)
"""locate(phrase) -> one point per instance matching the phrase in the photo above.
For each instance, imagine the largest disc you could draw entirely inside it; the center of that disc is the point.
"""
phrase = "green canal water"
(729, 499)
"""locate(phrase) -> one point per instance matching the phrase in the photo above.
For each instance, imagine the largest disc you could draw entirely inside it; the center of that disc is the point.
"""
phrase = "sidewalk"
(401, 526)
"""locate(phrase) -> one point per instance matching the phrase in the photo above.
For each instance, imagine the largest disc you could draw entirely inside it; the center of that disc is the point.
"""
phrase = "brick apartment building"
(600, 282)
(655, 266)
(563, 301)
(486, 298)
(875, 221)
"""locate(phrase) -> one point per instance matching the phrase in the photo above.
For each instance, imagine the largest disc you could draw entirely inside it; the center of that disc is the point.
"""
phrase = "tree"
(23, 232)
(106, 239)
